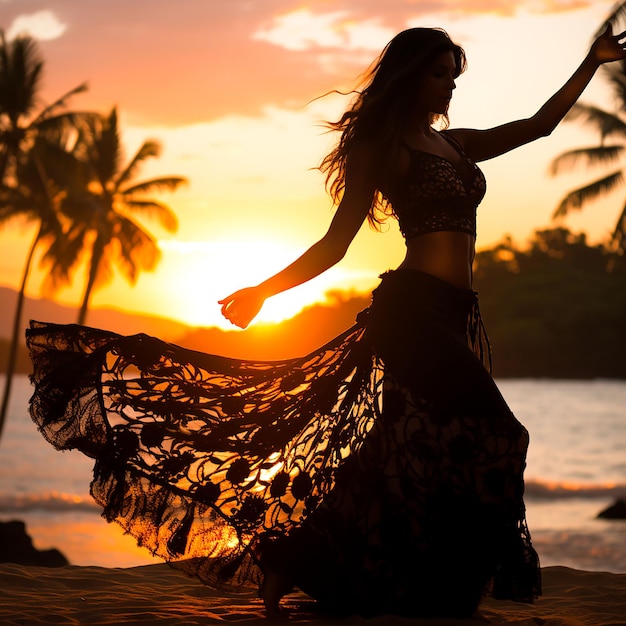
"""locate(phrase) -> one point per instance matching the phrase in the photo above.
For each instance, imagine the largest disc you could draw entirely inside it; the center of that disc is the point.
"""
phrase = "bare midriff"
(446, 255)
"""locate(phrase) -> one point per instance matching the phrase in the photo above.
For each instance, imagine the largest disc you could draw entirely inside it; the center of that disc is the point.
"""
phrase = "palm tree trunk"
(96, 256)
(82, 314)
(17, 333)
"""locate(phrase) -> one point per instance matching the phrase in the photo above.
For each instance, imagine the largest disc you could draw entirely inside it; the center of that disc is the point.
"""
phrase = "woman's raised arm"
(242, 306)
(481, 145)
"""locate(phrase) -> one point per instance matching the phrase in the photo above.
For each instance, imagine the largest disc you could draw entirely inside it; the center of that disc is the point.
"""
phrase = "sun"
(195, 275)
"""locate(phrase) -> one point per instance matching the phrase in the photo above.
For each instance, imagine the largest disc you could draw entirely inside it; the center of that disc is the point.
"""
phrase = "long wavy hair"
(381, 109)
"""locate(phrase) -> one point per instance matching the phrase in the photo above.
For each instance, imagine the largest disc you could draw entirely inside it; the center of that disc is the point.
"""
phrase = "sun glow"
(197, 274)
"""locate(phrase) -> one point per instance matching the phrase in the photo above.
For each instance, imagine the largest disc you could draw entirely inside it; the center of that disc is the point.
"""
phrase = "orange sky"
(224, 85)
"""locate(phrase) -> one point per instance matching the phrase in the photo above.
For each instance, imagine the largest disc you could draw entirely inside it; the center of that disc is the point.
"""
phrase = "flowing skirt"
(382, 473)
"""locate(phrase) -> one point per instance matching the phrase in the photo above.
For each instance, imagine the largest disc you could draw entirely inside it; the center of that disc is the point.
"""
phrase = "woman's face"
(434, 91)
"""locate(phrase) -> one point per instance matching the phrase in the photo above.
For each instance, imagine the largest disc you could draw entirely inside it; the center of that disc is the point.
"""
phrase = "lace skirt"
(382, 473)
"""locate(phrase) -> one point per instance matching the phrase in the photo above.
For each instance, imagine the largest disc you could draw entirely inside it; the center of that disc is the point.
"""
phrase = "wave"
(57, 502)
(51, 502)
(558, 490)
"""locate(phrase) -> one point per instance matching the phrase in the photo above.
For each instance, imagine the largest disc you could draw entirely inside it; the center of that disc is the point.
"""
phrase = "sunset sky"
(226, 87)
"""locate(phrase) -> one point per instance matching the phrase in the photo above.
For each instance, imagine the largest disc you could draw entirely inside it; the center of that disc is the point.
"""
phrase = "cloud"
(508, 8)
(42, 25)
(412, 9)
(303, 30)
(184, 62)
(558, 6)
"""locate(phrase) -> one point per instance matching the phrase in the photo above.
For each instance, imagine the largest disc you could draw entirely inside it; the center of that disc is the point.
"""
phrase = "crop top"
(437, 194)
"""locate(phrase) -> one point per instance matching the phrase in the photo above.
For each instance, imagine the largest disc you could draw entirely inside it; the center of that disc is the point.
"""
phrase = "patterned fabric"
(438, 195)
(375, 489)
(198, 455)
(428, 514)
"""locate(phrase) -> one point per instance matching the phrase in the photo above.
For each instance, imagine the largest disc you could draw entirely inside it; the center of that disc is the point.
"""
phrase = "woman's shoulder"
(363, 153)
(363, 146)
(455, 136)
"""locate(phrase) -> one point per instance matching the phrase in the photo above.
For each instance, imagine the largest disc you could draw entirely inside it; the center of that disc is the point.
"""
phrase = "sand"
(158, 594)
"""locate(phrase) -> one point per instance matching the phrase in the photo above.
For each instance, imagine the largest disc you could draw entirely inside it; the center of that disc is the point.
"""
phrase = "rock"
(16, 546)
(617, 510)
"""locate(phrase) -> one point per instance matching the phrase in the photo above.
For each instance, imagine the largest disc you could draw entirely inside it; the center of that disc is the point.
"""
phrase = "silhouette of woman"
(382, 473)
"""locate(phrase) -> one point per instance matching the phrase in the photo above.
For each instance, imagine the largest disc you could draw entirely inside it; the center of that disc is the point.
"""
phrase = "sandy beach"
(158, 594)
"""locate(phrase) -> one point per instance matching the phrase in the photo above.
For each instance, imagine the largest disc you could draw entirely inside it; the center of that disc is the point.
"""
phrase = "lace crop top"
(437, 194)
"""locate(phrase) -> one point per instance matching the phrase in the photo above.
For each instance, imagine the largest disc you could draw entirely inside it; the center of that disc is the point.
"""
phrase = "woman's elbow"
(542, 126)
(336, 254)
(333, 250)
(546, 129)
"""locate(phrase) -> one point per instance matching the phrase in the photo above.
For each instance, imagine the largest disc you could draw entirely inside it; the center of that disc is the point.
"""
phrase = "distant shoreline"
(24, 365)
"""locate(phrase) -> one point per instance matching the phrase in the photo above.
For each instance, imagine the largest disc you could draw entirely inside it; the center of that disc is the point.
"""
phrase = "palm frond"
(60, 258)
(575, 199)
(155, 210)
(104, 264)
(37, 189)
(60, 103)
(615, 74)
(604, 122)
(20, 77)
(140, 252)
(11, 194)
(15, 203)
(107, 150)
(135, 249)
(56, 158)
(597, 155)
(618, 12)
(82, 207)
(68, 121)
(167, 183)
(149, 149)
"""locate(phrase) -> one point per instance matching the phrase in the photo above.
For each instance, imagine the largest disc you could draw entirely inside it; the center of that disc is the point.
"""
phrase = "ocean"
(576, 468)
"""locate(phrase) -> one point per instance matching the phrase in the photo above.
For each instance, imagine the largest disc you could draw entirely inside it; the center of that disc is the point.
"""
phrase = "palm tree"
(21, 70)
(100, 214)
(24, 133)
(610, 126)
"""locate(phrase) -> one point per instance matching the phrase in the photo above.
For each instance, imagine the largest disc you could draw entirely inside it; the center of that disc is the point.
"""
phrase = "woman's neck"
(419, 126)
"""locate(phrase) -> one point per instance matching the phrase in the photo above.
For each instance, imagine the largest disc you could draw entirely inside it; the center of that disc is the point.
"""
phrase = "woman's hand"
(241, 307)
(608, 47)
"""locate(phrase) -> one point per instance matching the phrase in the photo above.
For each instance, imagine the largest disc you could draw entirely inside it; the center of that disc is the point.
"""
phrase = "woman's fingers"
(242, 306)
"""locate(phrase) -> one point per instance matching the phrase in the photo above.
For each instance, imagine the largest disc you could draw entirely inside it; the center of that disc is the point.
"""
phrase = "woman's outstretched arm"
(481, 145)
(243, 305)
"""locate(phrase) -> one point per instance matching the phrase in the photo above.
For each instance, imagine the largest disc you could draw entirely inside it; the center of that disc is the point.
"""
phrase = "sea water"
(576, 468)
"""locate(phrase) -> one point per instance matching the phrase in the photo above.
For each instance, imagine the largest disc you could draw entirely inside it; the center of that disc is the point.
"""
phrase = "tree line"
(555, 308)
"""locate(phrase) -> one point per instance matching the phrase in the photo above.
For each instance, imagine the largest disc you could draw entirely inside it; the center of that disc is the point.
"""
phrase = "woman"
(382, 473)
(390, 157)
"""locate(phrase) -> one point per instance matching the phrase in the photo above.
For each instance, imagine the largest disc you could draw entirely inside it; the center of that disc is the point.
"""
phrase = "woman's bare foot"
(273, 589)
(479, 617)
